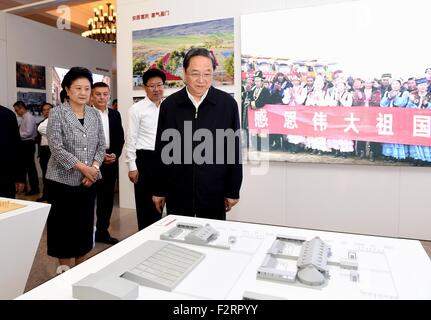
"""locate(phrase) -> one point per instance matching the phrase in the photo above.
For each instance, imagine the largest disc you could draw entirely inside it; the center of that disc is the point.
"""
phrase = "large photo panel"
(165, 47)
(342, 83)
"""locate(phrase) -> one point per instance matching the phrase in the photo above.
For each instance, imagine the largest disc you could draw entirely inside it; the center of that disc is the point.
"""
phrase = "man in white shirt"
(44, 152)
(141, 138)
(114, 139)
(28, 133)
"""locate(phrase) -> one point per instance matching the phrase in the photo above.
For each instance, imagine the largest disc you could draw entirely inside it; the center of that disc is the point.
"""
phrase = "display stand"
(21, 226)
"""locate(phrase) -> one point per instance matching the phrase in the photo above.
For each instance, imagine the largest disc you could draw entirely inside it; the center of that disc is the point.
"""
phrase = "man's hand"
(159, 203)
(19, 187)
(229, 203)
(134, 176)
(109, 158)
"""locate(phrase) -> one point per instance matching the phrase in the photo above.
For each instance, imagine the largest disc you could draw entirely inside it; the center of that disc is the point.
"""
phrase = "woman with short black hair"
(77, 144)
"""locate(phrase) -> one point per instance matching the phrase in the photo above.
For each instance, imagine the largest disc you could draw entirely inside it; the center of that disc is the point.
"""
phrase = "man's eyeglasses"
(197, 75)
(155, 86)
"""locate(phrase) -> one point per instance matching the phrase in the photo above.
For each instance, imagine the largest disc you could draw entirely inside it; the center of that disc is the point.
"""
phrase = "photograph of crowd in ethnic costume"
(330, 92)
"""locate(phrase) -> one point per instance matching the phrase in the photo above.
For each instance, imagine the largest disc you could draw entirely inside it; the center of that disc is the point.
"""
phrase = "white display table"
(20, 233)
(389, 268)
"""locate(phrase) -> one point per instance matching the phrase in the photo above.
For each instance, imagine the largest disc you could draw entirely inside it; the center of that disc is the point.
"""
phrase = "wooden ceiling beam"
(43, 6)
(51, 20)
(6, 4)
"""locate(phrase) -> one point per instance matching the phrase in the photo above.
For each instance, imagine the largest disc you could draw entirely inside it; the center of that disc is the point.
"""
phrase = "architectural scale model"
(6, 206)
(312, 262)
(203, 235)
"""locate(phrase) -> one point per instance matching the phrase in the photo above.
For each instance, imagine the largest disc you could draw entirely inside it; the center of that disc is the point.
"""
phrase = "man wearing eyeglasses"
(143, 117)
(190, 123)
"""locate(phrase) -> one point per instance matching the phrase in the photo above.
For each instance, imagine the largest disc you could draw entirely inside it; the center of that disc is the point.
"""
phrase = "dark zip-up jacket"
(193, 188)
(10, 160)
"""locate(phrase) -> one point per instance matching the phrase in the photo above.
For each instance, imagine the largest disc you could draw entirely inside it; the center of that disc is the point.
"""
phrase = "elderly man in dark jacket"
(198, 168)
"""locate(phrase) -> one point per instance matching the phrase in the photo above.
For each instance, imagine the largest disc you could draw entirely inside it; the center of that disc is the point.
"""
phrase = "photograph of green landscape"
(165, 48)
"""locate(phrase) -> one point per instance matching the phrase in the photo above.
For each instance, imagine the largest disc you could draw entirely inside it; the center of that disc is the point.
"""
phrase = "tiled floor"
(123, 224)
(427, 247)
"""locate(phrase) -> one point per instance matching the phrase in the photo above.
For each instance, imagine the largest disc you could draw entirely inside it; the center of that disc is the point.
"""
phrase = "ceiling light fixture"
(102, 27)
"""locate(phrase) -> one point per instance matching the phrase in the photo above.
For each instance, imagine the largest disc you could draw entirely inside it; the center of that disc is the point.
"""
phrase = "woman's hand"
(90, 173)
(86, 182)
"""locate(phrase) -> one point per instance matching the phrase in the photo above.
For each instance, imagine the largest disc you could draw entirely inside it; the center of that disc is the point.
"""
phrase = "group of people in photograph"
(82, 139)
(317, 88)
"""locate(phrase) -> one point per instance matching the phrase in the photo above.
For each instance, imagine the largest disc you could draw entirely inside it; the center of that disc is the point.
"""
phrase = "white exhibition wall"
(387, 201)
(26, 41)
(3, 76)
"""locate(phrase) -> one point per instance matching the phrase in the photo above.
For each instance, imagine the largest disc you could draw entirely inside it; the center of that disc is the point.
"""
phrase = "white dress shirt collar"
(192, 99)
(142, 128)
(105, 122)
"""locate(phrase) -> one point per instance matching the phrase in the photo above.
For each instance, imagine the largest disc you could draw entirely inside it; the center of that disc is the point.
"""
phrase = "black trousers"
(70, 221)
(44, 155)
(146, 212)
(105, 190)
(7, 185)
(28, 149)
(375, 147)
(217, 214)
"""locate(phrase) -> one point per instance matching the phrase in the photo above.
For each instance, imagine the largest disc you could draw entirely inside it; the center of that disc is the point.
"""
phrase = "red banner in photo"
(392, 125)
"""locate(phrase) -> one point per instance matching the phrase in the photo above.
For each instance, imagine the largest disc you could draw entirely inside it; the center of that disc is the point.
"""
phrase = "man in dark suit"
(114, 138)
(202, 182)
(9, 145)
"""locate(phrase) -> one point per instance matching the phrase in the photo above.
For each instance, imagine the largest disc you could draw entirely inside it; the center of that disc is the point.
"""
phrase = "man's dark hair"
(198, 52)
(46, 103)
(152, 73)
(99, 85)
(73, 74)
(114, 101)
(20, 104)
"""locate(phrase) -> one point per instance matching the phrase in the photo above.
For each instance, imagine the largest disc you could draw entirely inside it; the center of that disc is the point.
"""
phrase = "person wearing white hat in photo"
(396, 97)
(421, 99)
(259, 97)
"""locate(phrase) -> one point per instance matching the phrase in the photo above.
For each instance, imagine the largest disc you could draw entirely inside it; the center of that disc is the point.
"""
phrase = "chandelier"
(102, 26)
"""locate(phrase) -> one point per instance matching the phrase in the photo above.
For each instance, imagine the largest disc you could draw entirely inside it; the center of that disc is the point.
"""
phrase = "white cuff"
(132, 166)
